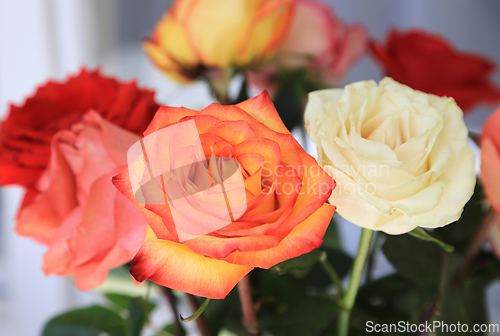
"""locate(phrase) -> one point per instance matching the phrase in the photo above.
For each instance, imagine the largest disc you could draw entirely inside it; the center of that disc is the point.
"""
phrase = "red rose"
(26, 133)
(429, 63)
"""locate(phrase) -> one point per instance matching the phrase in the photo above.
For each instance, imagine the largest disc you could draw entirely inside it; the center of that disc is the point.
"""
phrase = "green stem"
(331, 272)
(356, 275)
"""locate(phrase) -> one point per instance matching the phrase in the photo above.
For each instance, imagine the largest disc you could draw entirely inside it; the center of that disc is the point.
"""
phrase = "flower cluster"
(196, 199)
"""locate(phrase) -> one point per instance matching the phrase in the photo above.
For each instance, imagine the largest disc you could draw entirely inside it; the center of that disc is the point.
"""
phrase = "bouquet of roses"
(198, 202)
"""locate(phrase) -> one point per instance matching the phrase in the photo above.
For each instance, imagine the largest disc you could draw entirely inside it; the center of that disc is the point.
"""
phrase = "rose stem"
(356, 275)
(167, 292)
(200, 321)
(474, 247)
(249, 317)
(331, 272)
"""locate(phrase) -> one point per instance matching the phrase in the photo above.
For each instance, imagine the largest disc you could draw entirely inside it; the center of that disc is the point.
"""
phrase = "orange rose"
(490, 159)
(198, 34)
(284, 194)
(88, 226)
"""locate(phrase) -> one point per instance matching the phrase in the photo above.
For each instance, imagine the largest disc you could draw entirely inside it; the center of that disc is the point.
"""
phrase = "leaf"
(422, 234)
(308, 317)
(168, 330)
(120, 300)
(137, 316)
(414, 259)
(465, 304)
(303, 262)
(198, 312)
(91, 321)
(123, 301)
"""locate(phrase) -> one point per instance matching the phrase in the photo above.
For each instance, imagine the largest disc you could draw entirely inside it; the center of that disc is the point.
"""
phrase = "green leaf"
(124, 301)
(91, 321)
(308, 317)
(168, 330)
(303, 262)
(422, 234)
(198, 312)
(414, 259)
(465, 304)
(120, 300)
(137, 316)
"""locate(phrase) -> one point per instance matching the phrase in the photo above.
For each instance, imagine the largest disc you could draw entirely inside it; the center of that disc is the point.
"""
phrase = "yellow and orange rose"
(285, 192)
(198, 34)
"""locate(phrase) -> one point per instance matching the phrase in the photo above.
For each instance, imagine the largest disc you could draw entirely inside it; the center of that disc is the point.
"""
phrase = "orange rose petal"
(269, 149)
(317, 185)
(288, 186)
(251, 162)
(490, 172)
(304, 238)
(262, 109)
(167, 115)
(122, 183)
(219, 247)
(253, 182)
(255, 228)
(208, 140)
(175, 266)
(227, 113)
(203, 122)
(290, 148)
(261, 208)
(234, 132)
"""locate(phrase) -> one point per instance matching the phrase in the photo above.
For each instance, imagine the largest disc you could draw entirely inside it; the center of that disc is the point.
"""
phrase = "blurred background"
(49, 39)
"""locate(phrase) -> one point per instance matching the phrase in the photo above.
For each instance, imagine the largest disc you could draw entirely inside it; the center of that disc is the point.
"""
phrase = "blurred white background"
(42, 39)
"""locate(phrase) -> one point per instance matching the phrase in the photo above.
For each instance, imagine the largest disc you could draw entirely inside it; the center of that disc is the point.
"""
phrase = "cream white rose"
(399, 156)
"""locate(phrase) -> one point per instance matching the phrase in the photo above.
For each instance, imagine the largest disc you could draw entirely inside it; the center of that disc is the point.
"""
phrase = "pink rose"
(317, 41)
(88, 226)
